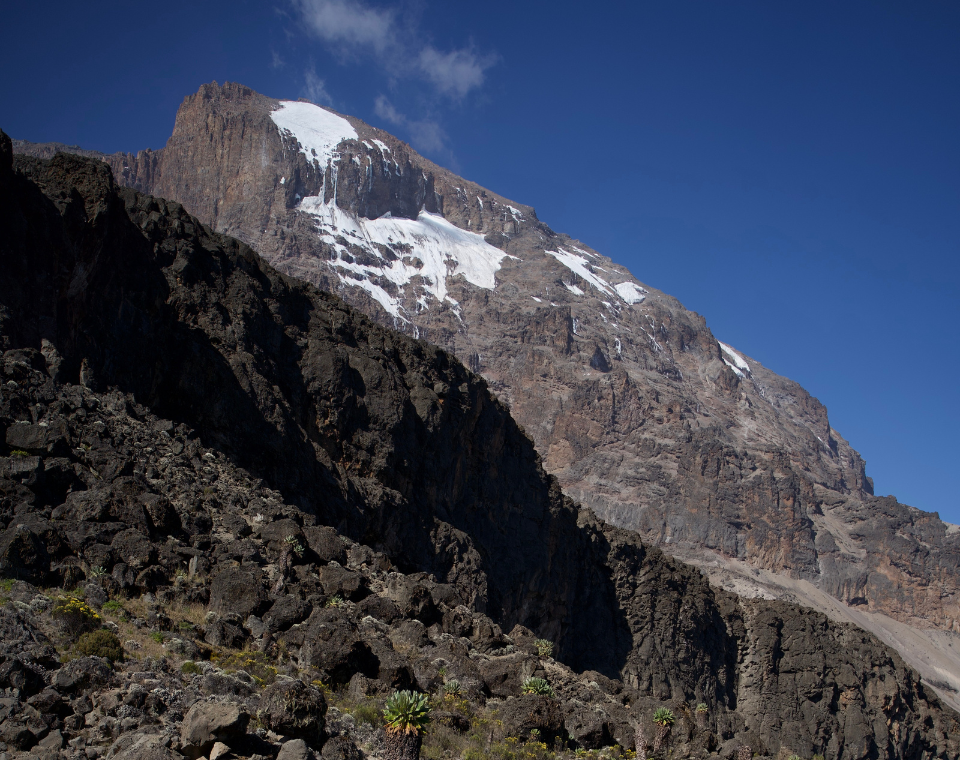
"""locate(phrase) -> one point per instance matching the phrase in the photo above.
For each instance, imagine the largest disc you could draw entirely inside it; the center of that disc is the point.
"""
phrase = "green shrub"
(544, 647)
(540, 686)
(157, 636)
(102, 643)
(452, 687)
(19, 453)
(407, 712)
(75, 616)
(190, 668)
(702, 708)
(367, 712)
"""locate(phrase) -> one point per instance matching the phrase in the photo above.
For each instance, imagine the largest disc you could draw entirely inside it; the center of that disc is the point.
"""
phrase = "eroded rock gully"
(186, 428)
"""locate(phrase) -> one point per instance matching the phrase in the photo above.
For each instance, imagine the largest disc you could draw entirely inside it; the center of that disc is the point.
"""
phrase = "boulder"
(333, 643)
(286, 611)
(326, 543)
(523, 714)
(83, 673)
(340, 748)
(238, 591)
(143, 747)
(207, 723)
(295, 749)
(291, 708)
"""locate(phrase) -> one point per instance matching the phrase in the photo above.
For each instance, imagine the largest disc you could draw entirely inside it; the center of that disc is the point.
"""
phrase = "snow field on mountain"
(428, 247)
(629, 292)
(736, 362)
(318, 131)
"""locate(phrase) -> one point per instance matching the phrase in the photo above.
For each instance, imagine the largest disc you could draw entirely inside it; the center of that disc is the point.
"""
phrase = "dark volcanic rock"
(202, 374)
(291, 708)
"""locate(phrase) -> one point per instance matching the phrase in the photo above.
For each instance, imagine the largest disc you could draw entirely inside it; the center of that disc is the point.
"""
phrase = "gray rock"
(291, 708)
(209, 722)
(295, 749)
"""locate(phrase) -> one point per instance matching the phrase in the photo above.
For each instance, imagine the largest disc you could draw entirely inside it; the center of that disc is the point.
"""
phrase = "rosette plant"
(406, 715)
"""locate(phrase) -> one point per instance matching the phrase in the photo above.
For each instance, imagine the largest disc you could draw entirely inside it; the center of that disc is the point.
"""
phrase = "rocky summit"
(636, 408)
(237, 513)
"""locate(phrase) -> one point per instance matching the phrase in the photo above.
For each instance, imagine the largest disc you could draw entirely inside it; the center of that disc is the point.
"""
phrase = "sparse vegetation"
(102, 643)
(189, 667)
(295, 546)
(256, 664)
(19, 453)
(452, 687)
(539, 686)
(544, 647)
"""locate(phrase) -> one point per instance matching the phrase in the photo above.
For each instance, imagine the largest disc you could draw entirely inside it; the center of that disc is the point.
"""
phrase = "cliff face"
(115, 301)
(632, 403)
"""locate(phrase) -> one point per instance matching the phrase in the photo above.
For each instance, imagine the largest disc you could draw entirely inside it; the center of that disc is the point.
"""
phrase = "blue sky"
(789, 170)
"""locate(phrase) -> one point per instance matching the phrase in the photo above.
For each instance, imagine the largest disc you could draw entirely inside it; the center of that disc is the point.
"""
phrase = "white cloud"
(277, 62)
(315, 89)
(349, 23)
(354, 28)
(454, 73)
(385, 110)
(426, 135)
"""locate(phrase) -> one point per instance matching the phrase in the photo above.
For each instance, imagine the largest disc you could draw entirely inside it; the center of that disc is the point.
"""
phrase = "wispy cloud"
(277, 62)
(314, 88)
(426, 135)
(349, 24)
(385, 110)
(355, 29)
(457, 72)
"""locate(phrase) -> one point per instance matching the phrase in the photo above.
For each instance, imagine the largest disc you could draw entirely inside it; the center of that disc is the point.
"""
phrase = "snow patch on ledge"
(317, 130)
(428, 248)
(736, 362)
(580, 266)
(630, 292)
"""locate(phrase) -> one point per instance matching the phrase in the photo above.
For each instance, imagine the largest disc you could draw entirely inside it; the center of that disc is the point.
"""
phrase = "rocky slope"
(186, 429)
(632, 403)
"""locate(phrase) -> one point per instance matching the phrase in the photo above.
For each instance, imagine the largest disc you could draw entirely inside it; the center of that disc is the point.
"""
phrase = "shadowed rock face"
(387, 438)
(630, 400)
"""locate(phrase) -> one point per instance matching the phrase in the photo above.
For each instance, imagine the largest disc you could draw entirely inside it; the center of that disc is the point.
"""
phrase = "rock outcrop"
(202, 430)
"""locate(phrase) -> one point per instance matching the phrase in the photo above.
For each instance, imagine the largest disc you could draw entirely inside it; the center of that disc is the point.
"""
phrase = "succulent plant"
(407, 712)
(540, 686)
(663, 717)
(406, 715)
(544, 647)
(452, 687)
